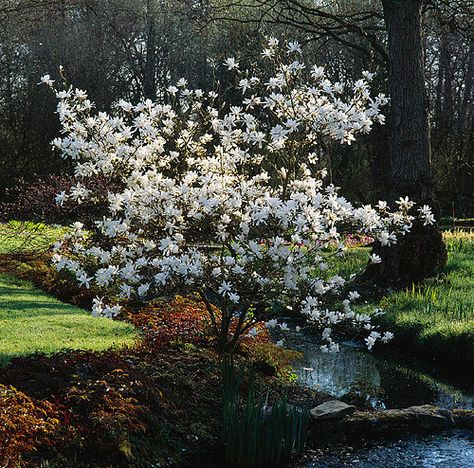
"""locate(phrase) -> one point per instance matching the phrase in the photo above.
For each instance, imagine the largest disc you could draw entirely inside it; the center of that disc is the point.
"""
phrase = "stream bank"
(384, 432)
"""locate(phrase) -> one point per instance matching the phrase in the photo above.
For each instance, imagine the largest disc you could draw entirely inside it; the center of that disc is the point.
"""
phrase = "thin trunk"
(149, 81)
(448, 86)
(468, 88)
(439, 89)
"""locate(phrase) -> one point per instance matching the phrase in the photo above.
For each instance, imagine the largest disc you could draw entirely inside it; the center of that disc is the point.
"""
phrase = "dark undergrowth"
(158, 403)
(136, 407)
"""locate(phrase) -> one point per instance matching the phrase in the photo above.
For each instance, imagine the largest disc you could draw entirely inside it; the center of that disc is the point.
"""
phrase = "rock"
(383, 423)
(464, 418)
(333, 409)
(430, 417)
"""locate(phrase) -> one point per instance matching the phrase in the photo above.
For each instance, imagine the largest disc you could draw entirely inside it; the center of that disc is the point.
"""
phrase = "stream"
(384, 383)
(450, 449)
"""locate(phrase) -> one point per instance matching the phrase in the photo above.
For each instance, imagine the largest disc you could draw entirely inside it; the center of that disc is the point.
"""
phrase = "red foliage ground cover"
(117, 408)
(184, 319)
(24, 424)
(160, 398)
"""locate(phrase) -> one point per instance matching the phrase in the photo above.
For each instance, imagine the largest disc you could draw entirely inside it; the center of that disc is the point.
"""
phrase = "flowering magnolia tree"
(225, 201)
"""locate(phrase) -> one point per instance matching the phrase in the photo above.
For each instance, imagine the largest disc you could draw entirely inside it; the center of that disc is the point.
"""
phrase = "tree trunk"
(149, 78)
(420, 253)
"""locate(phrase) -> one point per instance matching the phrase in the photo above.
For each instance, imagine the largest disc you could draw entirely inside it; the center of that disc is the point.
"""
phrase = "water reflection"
(341, 373)
(382, 382)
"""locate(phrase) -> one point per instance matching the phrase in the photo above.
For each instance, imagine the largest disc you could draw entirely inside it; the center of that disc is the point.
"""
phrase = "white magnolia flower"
(84, 280)
(368, 76)
(271, 323)
(253, 332)
(374, 258)
(387, 336)
(231, 63)
(46, 79)
(60, 198)
(208, 199)
(182, 83)
(143, 289)
(353, 295)
(294, 47)
(235, 298)
(404, 203)
(225, 288)
(427, 215)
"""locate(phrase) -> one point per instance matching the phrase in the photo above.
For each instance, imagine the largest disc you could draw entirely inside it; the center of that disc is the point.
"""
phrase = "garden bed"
(154, 403)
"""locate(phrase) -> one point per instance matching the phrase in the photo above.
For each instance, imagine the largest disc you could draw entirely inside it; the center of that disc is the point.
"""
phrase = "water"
(453, 449)
(383, 383)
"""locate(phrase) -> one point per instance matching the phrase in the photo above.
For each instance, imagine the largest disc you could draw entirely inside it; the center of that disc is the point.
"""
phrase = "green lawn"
(32, 321)
(437, 316)
(20, 236)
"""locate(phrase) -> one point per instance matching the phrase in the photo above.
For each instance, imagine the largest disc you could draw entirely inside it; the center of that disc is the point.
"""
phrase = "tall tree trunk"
(420, 253)
(149, 78)
(463, 122)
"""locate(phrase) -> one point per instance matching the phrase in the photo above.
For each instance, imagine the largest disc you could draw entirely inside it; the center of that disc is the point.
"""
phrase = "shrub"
(182, 319)
(36, 200)
(25, 425)
(226, 201)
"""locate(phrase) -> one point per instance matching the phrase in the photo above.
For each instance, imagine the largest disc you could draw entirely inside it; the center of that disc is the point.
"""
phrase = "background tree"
(357, 26)
(123, 49)
(422, 252)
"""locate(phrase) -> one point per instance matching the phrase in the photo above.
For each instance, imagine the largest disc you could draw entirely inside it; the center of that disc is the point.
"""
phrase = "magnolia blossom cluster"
(225, 200)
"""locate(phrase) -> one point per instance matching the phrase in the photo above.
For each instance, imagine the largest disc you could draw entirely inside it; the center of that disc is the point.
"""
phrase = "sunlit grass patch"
(438, 314)
(24, 236)
(31, 321)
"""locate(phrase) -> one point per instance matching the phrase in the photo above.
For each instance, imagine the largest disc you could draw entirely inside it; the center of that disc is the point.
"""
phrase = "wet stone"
(333, 409)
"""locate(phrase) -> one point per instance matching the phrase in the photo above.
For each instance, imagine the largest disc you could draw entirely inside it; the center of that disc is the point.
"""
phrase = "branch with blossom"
(225, 200)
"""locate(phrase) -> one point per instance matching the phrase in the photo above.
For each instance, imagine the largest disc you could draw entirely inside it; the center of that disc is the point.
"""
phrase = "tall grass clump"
(256, 435)
(436, 317)
(459, 241)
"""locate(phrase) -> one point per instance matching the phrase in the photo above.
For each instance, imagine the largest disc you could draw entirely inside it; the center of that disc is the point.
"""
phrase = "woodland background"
(133, 48)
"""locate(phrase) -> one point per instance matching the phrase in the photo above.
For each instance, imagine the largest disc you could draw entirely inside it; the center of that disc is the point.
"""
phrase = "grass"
(436, 317)
(19, 236)
(352, 262)
(31, 321)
